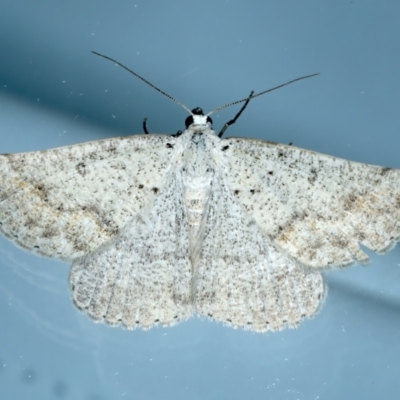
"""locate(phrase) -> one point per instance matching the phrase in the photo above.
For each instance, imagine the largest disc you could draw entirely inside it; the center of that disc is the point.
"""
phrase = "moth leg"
(232, 121)
(177, 134)
(145, 126)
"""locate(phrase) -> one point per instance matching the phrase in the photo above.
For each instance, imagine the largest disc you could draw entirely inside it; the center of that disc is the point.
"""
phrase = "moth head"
(198, 119)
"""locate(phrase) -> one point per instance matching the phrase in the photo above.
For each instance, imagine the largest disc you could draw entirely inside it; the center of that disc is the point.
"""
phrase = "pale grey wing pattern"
(143, 277)
(316, 207)
(243, 279)
(68, 201)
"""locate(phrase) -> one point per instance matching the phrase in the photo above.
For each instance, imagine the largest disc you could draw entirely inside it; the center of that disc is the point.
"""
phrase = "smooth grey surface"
(55, 92)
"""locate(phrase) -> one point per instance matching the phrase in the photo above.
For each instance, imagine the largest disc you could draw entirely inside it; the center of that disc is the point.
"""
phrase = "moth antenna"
(144, 80)
(247, 99)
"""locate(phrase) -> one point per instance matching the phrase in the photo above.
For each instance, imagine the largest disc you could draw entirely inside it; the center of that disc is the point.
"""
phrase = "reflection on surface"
(59, 388)
(28, 375)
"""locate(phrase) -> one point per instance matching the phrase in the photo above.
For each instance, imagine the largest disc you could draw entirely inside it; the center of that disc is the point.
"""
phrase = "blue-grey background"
(206, 53)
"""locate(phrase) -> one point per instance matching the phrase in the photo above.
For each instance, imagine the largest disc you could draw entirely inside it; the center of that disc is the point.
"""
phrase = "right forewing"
(316, 207)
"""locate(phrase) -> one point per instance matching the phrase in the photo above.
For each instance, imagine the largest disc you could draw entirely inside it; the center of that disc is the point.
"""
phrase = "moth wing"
(143, 277)
(245, 280)
(316, 207)
(68, 201)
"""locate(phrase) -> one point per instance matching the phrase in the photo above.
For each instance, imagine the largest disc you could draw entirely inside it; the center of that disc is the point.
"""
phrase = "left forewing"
(68, 201)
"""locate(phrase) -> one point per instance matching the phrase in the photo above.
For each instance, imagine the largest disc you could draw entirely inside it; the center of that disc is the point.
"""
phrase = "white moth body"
(198, 169)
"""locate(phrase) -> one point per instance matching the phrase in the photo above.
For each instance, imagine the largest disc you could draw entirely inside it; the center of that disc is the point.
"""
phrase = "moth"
(161, 227)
